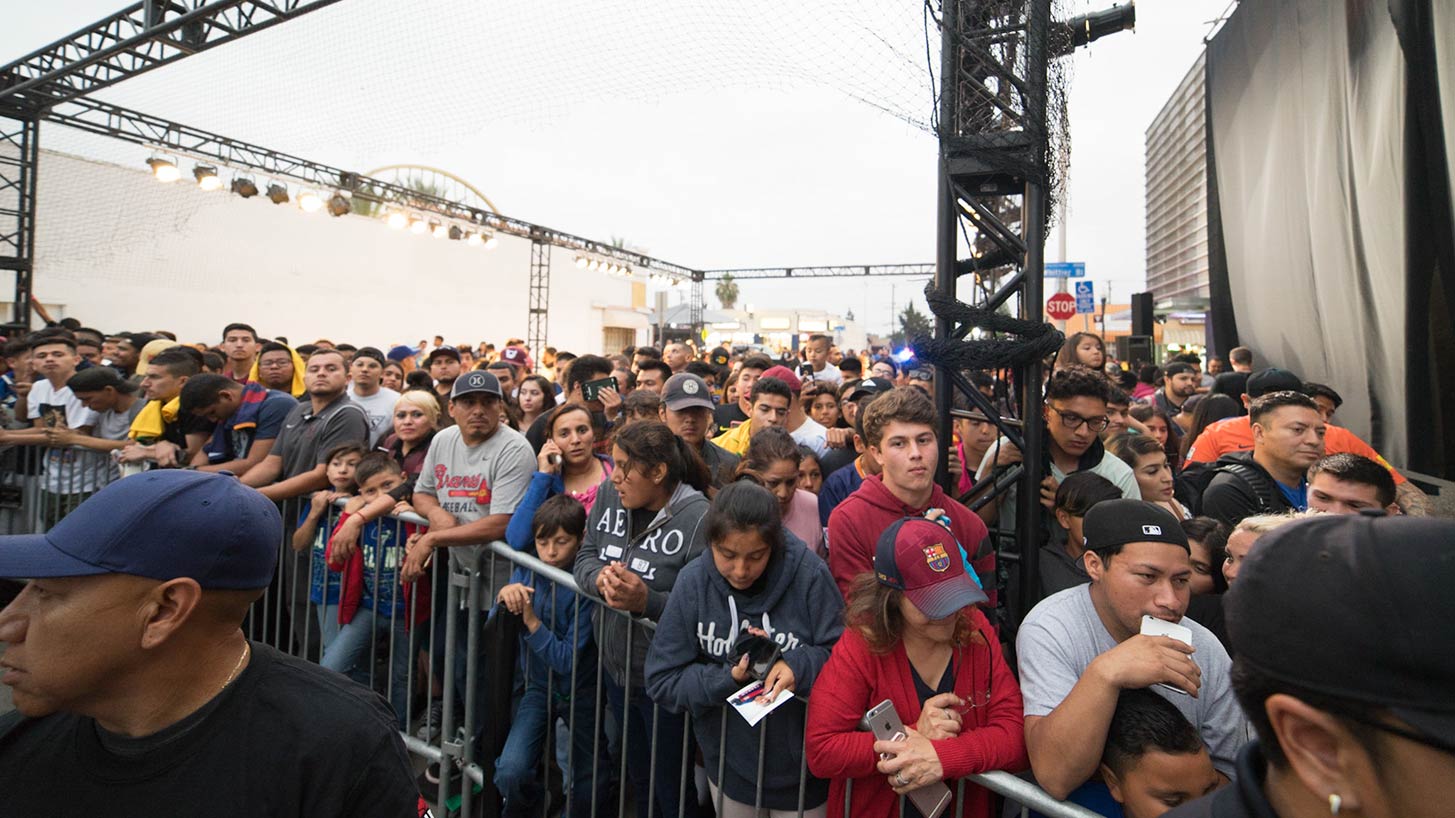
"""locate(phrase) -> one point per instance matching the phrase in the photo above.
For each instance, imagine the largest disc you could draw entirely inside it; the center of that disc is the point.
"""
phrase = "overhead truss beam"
(141, 37)
(832, 271)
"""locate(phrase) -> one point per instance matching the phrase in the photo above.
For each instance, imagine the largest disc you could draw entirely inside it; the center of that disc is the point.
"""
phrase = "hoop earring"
(1335, 803)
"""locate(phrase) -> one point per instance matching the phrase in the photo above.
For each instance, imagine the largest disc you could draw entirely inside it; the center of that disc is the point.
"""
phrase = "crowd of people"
(745, 530)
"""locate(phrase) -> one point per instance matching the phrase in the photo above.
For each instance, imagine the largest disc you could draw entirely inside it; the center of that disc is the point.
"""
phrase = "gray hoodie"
(674, 538)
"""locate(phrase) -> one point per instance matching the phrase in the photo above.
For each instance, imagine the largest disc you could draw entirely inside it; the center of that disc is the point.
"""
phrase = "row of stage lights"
(614, 268)
(310, 201)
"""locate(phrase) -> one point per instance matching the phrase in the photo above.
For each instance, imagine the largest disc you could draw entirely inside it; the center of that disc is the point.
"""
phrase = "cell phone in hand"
(762, 653)
(883, 720)
(1152, 626)
(591, 390)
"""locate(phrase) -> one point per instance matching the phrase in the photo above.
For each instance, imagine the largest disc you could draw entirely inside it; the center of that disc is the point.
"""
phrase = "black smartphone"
(762, 653)
(591, 390)
(805, 370)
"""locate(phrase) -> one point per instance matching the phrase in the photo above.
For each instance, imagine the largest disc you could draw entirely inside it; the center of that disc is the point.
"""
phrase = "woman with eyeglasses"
(916, 636)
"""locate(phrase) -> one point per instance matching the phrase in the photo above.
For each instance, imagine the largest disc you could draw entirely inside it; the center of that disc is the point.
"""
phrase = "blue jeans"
(517, 771)
(349, 649)
(655, 763)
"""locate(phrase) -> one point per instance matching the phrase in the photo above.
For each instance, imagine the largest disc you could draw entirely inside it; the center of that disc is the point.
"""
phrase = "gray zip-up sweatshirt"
(674, 538)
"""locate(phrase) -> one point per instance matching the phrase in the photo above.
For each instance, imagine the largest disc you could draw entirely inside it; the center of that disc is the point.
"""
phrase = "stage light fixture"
(593, 265)
(581, 262)
(277, 193)
(491, 242)
(473, 239)
(310, 202)
(396, 220)
(438, 230)
(244, 187)
(206, 176)
(456, 233)
(164, 169)
(339, 205)
(418, 226)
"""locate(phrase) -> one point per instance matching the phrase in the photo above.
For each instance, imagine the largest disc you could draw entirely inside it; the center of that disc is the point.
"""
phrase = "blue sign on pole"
(1065, 269)
(1085, 297)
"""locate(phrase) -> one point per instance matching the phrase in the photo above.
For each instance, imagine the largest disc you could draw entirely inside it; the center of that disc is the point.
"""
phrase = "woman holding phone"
(916, 638)
(759, 586)
(567, 464)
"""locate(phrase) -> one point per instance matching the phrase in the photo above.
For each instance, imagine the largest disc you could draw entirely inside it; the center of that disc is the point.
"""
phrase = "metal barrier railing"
(424, 641)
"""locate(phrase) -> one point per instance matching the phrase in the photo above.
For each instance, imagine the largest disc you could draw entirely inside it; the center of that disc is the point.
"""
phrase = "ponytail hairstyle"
(746, 506)
(768, 447)
(649, 443)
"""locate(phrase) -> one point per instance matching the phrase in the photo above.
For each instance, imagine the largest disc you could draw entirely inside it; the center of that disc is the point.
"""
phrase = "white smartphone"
(1152, 626)
(883, 720)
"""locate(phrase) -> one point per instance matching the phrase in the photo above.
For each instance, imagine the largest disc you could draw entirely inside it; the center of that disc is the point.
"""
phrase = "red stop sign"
(1061, 306)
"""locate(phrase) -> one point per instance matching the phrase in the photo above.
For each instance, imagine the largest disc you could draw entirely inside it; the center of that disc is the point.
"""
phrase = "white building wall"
(120, 251)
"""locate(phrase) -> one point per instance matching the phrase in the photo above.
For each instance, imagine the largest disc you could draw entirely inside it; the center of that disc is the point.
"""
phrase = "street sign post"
(1085, 298)
(1065, 269)
(1060, 307)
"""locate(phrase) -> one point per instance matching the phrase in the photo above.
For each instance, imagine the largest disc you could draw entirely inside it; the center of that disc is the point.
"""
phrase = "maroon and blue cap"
(922, 558)
(162, 524)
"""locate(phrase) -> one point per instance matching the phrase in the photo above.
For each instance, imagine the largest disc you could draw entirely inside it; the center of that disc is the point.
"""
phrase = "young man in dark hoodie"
(758, 578)
(645, 526)
(899, 427)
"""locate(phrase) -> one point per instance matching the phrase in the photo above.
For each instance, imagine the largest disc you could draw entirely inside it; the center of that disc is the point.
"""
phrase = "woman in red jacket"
(915, 637)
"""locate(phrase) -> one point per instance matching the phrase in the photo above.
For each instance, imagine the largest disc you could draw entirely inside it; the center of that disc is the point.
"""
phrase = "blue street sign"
(1065, 269)
(1085, 297)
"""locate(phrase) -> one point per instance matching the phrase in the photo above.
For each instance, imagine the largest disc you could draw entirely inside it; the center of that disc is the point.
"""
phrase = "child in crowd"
(755, 580)
(810, 471)
(1154, 759)
(316, 523)
(558, 661)
(371, 604)
(1061, 563)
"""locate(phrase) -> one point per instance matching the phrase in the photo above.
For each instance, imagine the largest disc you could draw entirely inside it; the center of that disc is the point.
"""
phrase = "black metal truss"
(830, 271)
(19, 158)
(166, 136)
(540, 297)
(141, 37)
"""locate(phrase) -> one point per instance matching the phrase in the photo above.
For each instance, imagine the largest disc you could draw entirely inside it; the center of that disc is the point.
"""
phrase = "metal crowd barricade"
(41, 484)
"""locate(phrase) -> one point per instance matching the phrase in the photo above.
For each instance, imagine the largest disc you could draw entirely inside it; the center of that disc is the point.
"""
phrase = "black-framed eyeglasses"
(1071, 420)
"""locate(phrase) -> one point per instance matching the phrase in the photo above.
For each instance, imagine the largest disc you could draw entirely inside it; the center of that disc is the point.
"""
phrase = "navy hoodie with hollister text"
(689, 666)
(674, 537)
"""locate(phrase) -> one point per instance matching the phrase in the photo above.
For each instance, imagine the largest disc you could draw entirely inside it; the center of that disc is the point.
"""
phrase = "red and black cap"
(922, 558)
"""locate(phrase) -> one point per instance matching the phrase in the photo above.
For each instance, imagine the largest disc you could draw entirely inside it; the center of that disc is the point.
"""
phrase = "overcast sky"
(706, 136)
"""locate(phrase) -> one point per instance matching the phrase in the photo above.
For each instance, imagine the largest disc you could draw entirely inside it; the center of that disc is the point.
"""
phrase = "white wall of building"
(120, 251)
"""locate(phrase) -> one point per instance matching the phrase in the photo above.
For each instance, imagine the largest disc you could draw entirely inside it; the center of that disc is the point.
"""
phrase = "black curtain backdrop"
(1330, 227)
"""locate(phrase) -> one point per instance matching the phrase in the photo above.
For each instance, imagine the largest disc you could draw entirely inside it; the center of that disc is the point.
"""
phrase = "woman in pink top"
(773, 458)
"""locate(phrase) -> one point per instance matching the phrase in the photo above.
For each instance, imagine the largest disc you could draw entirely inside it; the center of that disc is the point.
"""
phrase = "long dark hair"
(1211, 409)
(768, 447)
(745, 506)
(649, 443)
(547, 389)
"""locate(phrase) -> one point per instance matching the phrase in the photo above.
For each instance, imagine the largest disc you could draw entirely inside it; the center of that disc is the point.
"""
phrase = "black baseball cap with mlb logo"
(1119, 522)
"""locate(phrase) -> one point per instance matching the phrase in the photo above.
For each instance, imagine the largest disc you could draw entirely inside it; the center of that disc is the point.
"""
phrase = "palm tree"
(726, 291)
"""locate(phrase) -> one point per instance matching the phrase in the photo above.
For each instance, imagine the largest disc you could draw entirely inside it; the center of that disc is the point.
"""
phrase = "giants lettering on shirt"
(471, 486)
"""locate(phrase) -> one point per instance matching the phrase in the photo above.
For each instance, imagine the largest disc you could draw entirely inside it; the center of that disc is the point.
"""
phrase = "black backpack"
(1196, 477)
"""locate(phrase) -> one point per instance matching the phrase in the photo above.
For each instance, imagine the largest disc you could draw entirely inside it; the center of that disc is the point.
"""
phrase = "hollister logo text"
(469, 486)
(936, 558)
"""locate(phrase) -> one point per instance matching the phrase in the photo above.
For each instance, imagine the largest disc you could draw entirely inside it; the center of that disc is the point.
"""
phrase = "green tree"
(726, 291)
(912, 325)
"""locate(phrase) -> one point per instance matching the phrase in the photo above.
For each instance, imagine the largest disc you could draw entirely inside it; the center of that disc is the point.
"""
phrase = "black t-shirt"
(836, 458)
(727, 416)
(286, 739)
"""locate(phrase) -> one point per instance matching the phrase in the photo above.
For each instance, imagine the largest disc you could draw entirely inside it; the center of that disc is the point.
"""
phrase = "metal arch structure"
(419, 182)
(137, 39)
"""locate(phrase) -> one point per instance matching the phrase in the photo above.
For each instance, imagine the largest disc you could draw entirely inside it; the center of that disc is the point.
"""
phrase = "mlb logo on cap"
(1152, 530)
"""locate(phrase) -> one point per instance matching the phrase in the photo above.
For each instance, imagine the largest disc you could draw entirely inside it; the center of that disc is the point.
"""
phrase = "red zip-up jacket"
(857, 522)
(855, 679)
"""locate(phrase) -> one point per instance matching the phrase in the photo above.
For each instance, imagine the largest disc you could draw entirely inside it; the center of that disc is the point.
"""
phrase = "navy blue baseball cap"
(161, 524)
(923, 559)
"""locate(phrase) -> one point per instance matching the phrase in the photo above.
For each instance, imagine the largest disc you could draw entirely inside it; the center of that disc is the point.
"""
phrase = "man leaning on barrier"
(138, 693)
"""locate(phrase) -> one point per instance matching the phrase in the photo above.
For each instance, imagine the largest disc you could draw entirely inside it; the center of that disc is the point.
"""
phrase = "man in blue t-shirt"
(248, 418)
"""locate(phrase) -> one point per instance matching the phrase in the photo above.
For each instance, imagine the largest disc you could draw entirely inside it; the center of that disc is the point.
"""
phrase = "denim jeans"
(655, 763)
(517, 771)
(349, 649)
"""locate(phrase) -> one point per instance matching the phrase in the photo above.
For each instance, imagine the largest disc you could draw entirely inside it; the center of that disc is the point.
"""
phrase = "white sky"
(641, 120)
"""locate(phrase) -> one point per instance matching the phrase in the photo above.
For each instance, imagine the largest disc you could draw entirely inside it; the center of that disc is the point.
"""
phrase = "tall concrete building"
(1177, 196)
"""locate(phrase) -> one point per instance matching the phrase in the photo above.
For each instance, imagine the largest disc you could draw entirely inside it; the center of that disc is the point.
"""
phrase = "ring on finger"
(899, 779)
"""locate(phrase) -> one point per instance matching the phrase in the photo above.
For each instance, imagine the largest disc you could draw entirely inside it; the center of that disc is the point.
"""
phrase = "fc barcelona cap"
(162, 524)
(1118, 522)
(476, 380)
(922, 559)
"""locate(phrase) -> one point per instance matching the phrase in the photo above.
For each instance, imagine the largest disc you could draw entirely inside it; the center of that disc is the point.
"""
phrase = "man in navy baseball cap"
(135, 685)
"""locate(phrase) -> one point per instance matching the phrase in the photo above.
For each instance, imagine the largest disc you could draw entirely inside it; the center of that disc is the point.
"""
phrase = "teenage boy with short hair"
(247, 420)
(68, 476)
(366, 373)
(770, 400)
(1079, 648)
(899, 428)
(240, 346)
(1350, 484)
(729, 415)
(162, 432)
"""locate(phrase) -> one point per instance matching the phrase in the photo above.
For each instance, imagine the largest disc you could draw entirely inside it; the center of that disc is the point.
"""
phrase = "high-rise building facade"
(1177, 195)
